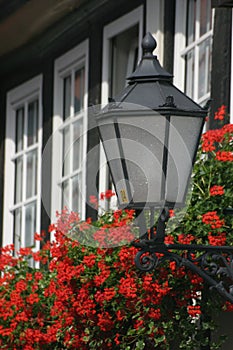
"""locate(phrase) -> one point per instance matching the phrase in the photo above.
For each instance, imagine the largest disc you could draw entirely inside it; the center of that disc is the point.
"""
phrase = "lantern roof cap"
(149, 67)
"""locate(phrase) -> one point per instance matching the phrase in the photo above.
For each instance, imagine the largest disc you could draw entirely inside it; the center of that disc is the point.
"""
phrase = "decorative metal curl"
(146, 262)
(213, 263)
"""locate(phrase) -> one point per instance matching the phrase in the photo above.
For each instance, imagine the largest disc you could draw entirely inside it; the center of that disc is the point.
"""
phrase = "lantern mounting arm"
(214, 264)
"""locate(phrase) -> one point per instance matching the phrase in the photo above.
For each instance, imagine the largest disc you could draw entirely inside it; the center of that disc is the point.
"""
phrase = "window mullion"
(25, 139)
(23, 224)
(21, 153)
(206, 67)
(20, 204)
(196, 50)
(198, 20)
(71, 145)
(70, 193)
(24, 183)
(83, 72)
(69, 121)
(203, 98)
(194, 43)
(72, 94)
(196, 72)
(65, 178)
(71, 164)
(38, 170)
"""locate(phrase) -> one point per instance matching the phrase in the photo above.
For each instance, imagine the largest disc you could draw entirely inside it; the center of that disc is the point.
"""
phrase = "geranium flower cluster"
(221, 113)
(211, 218)
(216, 190)
(216, 237)
(224, 156)
(213, 138)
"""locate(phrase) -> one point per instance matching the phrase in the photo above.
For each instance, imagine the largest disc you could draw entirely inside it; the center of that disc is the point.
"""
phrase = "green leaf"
(140, 345)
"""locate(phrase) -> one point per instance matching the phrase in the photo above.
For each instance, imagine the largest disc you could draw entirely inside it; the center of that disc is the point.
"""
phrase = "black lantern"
(150, 134)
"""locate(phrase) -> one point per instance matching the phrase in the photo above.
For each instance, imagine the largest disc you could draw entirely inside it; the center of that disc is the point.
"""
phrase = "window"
(121, 52)
(70, 126)
(193, 48)
(23, 164)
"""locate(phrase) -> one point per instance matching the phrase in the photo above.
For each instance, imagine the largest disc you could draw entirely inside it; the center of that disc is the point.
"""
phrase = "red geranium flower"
(216, 190)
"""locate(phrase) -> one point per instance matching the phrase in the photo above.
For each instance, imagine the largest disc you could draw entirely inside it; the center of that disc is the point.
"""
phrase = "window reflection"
(31, 184)
(78, 90)
(66, 97)
(204, 68)
(19, 129)
(32, 123)
(30, 224)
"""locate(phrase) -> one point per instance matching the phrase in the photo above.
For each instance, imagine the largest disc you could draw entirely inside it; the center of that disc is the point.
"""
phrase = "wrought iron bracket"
(213, 263)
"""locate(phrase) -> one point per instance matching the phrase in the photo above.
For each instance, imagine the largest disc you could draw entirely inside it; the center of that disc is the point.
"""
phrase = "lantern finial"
(149, 67)
(148, 44)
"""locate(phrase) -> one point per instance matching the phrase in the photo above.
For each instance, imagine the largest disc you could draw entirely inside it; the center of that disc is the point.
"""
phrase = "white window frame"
(110, 31)
(155, 24)
(76, 57)
(180, 49)
(26, 92)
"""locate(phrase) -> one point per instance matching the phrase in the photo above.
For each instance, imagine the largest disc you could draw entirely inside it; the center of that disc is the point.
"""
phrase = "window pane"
(31, 174)
(191, 21)
(66, 97)
(17, 227)
(189, 83)
(19, 129)
(77, 144)
(65, 194)
(124, 55)
(78, 90)
(205, 16)
(32, 123)
(66, 151)
(204, 68)
(30, 224)
(76, 191)
(18, 179)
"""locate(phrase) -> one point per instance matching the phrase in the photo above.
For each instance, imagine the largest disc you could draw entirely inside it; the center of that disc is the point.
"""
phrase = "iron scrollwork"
(213, 263)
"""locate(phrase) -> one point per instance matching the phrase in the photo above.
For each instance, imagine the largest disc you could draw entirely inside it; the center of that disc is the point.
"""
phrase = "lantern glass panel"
(142, 139)
(110, 143)
(184, 135)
